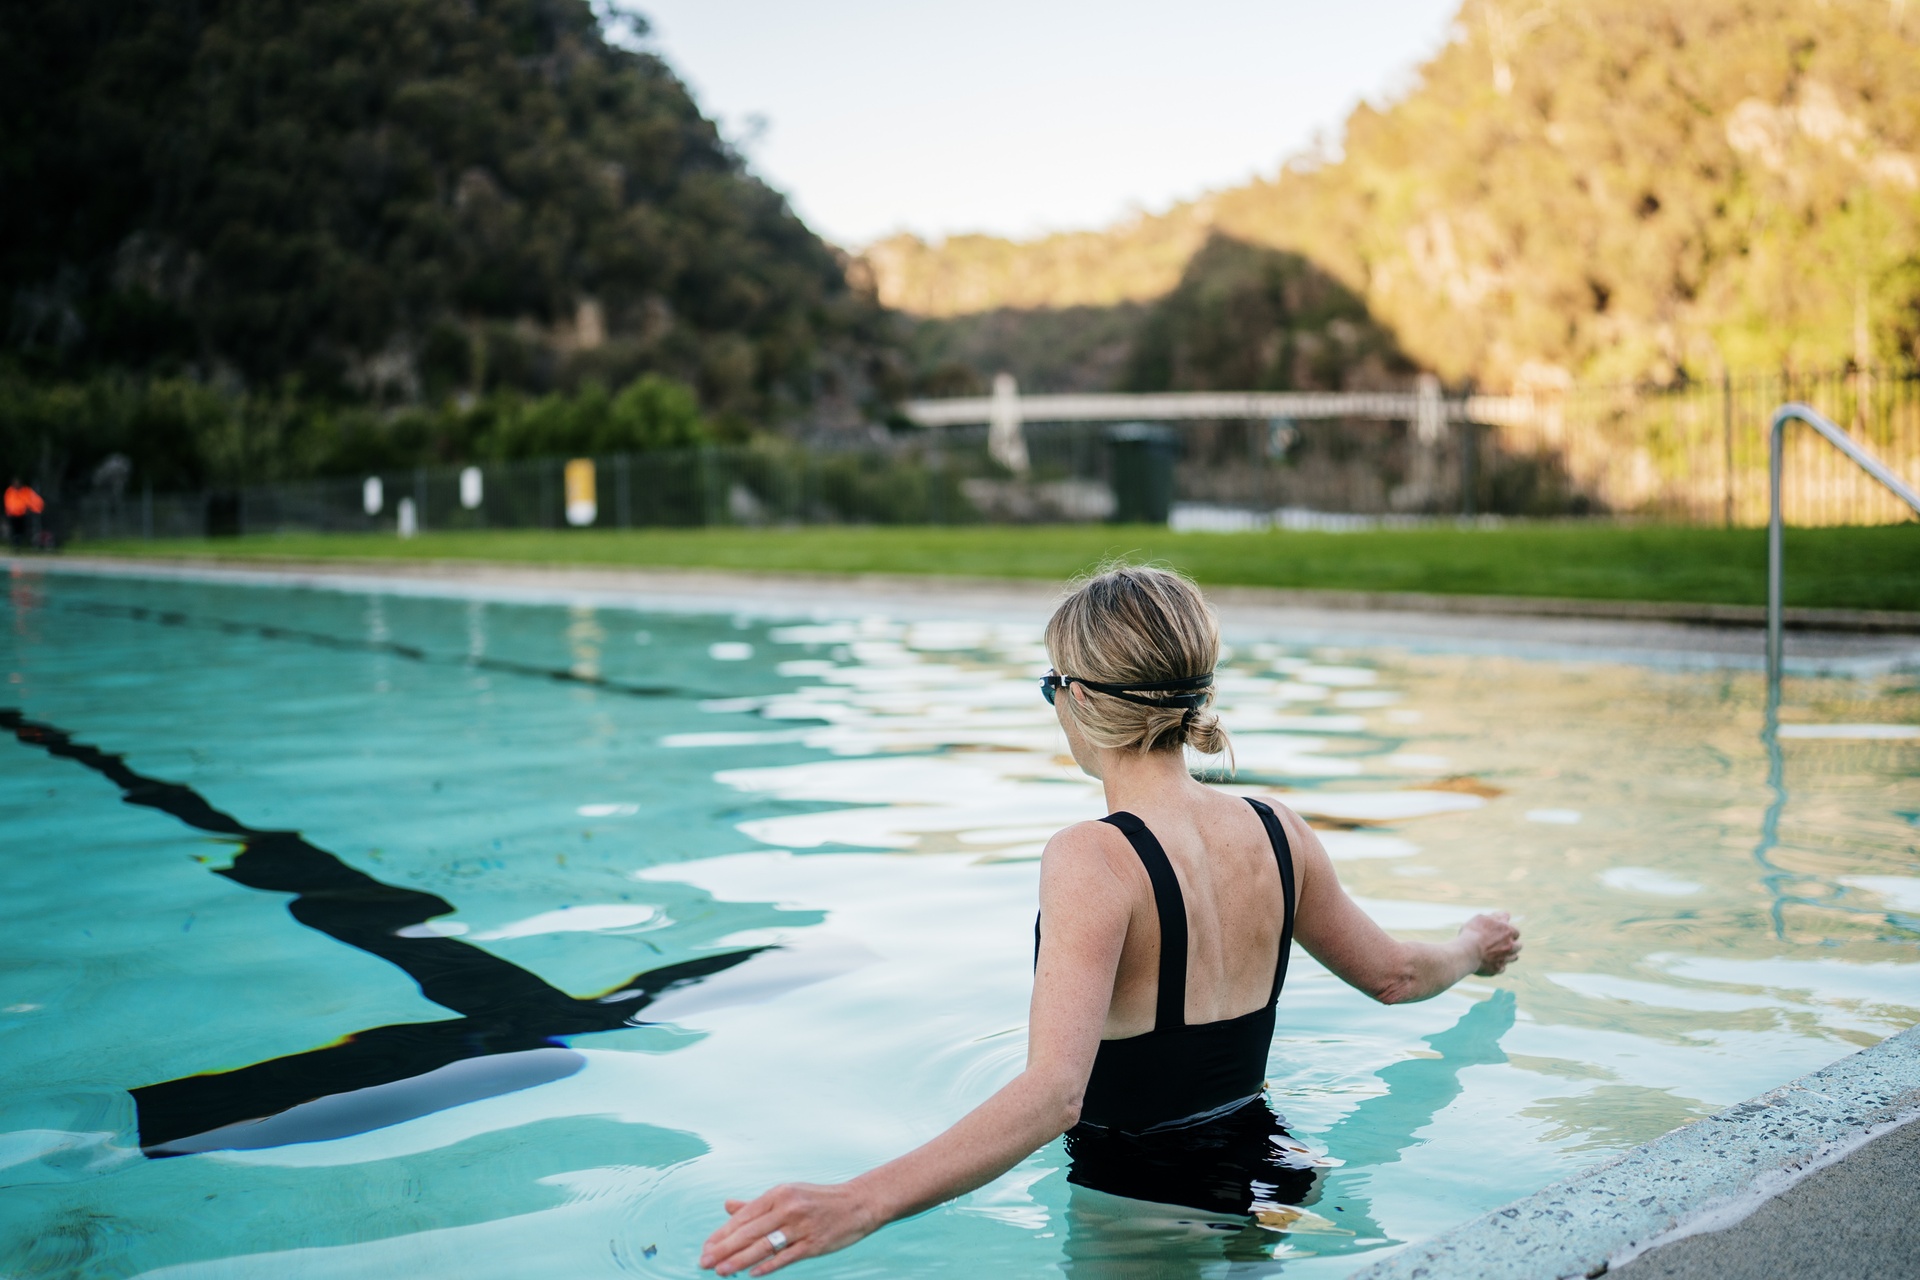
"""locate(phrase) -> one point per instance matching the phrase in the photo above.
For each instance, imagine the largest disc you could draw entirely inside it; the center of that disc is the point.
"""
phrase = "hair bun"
(1206, 734)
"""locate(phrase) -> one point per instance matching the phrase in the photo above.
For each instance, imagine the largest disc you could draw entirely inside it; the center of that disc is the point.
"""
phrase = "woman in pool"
(1161, 950)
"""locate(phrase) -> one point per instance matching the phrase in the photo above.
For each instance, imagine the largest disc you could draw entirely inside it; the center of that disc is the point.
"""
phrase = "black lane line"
(412, 653)
(503, 1008)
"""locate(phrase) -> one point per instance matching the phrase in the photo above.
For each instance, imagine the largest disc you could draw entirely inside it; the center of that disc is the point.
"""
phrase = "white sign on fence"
(373, 496)
(470, 488)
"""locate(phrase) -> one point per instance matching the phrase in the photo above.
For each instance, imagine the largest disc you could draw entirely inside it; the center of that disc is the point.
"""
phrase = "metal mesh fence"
(1693, 455)
(1698, 454)
(770, 483)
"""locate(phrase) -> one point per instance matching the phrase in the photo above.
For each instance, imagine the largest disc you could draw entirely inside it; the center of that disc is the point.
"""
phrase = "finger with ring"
(778, 1239)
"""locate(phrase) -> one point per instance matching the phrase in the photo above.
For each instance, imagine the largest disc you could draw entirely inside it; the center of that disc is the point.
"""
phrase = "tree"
(377, 200)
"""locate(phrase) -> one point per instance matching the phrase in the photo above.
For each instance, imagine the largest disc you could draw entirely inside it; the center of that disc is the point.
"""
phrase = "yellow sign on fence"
(581, 504)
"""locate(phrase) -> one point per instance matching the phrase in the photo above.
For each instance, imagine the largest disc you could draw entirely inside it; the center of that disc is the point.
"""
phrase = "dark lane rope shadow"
(393, 648)
(504, 1009)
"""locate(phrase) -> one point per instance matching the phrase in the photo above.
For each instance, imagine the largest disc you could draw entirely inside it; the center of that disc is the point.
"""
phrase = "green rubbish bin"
(1142, 457)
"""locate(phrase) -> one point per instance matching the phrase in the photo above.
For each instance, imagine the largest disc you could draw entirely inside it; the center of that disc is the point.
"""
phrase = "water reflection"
(1378, 1131)
(584, 637)
(1605, 805)
(943, 747)
(911, 767)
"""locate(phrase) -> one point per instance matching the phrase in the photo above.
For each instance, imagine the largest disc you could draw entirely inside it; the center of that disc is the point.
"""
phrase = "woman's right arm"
(1087, 905)
(1337, 933)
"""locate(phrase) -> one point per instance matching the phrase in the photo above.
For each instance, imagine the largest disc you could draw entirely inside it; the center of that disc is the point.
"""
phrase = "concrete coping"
(1870, 621)
(1708, 615)
(1246, 614)
(1704, 1176)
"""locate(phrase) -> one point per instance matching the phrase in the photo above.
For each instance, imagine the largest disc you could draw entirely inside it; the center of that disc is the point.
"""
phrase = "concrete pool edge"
(1704, 1176)
(1246, 613)
(1697, 614)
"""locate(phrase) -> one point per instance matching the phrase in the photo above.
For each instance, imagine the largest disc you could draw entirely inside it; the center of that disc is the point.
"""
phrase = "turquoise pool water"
(398, 1043)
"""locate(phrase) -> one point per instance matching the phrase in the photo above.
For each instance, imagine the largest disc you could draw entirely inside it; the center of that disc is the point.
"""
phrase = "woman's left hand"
(811, 1219)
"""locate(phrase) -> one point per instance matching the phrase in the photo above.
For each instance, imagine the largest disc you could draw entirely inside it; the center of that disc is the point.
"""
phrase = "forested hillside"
(1573, 189)
(229, 213)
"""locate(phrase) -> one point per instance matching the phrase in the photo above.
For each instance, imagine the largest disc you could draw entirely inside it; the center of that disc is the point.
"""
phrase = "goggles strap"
(1175, 692)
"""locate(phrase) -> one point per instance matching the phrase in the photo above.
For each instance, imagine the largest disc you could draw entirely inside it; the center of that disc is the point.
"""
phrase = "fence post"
(705, 462)
(622, 490)
(1469, 466)
(146, 510)
(936, 476)
(1260, 441)
(1726, 442)
(420, 498)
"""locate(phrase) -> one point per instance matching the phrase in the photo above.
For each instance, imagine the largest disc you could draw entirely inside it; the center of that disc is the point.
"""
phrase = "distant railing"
(1698, 453)
(1694, 454)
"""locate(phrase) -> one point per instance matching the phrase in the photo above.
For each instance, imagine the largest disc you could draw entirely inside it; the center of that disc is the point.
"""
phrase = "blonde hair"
(1133, 626)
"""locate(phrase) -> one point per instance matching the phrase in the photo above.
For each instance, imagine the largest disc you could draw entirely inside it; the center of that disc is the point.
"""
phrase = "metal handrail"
(1777, 878)
(1776, 542)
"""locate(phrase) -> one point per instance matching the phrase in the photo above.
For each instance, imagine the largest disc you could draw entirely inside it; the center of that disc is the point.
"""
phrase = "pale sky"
(1025, 116)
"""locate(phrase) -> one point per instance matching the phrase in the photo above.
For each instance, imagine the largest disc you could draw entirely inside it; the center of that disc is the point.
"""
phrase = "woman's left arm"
(1086, 908)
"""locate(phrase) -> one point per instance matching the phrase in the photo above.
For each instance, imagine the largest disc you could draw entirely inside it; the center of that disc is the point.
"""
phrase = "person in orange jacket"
(23, 507)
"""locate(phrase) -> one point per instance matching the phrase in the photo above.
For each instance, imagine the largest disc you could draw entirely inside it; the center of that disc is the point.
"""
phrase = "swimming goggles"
(1189, 693)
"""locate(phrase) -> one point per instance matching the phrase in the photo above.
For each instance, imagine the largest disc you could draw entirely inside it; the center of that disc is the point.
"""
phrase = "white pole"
(1005, 440)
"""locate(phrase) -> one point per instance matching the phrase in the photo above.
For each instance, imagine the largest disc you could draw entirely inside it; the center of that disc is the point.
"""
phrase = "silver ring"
(778, 1239)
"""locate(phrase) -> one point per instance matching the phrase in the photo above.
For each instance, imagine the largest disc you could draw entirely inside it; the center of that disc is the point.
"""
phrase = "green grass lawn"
(1864, 568)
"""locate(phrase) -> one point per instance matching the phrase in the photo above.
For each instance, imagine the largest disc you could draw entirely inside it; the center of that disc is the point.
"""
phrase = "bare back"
(1235, 909)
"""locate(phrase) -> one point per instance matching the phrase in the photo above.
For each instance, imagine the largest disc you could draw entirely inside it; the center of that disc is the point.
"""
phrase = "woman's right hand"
(1497, 941)
(811, 1220)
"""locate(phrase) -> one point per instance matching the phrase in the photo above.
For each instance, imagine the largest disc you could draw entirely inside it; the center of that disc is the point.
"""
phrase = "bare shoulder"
(1087, 851)
(1085, 842)
(1309, 855)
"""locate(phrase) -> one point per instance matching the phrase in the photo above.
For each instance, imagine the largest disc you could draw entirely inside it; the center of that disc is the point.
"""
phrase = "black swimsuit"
(1179, 1114)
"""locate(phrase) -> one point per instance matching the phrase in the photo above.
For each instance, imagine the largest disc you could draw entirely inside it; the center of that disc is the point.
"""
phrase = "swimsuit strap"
(1283, 855)
(1170, 1005)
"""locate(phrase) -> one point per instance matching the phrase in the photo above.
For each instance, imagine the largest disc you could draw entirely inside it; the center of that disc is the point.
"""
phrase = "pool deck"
(1813, 1179)
(1873, 1192)
(1819, 642)
(1725, 1197)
